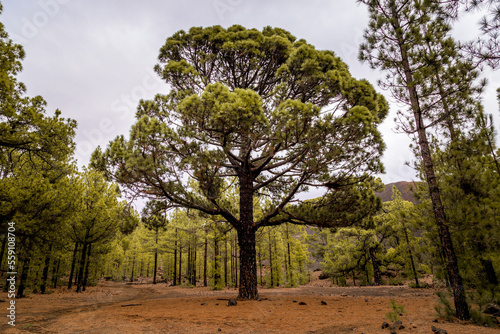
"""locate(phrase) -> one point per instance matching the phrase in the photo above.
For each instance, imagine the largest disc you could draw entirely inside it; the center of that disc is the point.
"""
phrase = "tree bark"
(87, 265)
(156, 258)
(175, 259)
(81, 270)
(461, 306)
(45, 275)
(24, 278)
(248, 266)
(205, 262)
(377, 275)
(73, 263)
(55, 273)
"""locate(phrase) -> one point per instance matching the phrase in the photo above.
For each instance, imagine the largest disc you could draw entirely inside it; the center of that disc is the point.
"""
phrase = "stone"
(492, 309)
(398, 325)
(385, 325)
(323, 302)
(232, 302)
(302, 303)
(438, 330)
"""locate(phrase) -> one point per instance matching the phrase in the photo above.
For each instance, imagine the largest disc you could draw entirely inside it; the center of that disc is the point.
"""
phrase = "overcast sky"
(94, 60)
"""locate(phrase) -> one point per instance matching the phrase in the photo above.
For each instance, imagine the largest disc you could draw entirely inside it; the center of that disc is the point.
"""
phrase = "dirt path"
(147, 308)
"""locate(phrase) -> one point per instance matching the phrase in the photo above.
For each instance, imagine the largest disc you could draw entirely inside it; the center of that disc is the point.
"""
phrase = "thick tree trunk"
(461, 306)
(73, 263)
(248, 265)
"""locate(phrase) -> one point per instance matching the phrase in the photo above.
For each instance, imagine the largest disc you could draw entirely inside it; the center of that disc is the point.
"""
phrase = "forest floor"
(112, 307)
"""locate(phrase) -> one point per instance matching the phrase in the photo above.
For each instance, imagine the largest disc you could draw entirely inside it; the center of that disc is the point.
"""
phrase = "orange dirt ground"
(147, 308)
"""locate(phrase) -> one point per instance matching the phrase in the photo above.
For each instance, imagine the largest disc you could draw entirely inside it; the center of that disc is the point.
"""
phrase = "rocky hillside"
(405, 188)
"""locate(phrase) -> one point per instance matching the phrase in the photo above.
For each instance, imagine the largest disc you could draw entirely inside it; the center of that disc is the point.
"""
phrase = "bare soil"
(146, 308)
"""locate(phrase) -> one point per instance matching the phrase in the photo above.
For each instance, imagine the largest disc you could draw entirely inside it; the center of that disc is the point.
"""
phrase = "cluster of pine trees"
(255, 118)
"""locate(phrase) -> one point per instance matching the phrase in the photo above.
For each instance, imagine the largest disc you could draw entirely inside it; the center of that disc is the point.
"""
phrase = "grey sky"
(93, 60)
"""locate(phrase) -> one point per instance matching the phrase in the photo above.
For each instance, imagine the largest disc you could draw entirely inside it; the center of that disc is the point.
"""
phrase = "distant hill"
(405, 188)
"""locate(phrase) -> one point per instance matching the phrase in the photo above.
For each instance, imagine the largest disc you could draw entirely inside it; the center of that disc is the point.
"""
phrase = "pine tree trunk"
(45, 275)
(461, 306)
(73, 263)
(193, 280)
(237, 282)
(289, 256)
(377, 276)
(175, 259)
(55, 273)
(225, 261)
(248, 267)
(415, 274)
(216, 262)
(81, 269)
(4, 247)
(270, 259)
(180, 264)
(24, 278)
(87, 265)
(205, 262)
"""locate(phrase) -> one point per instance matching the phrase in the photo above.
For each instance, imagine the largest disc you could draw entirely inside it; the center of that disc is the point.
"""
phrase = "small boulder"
(398, 325)
(302, 303)
(323, 302)
(438, 330)
(232, 302)
(493, 309)
(385, 325)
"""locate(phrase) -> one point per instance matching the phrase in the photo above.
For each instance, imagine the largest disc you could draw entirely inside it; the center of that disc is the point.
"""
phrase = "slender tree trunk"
(45, 275)
(225, 261)
(24, 278)
(377, 276)
(133, 269)
(236, 282)
(259, 254)
(4, 247)
(270, 250)
(193, 280)
(55, 273)
(216, 261)
(180, 264)
(205, 262)
(175, 259)
(87, 265)
(415, 274)
(461, 306)
(156, 257)
(81, 269)
(73, 262)
(289, 255)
